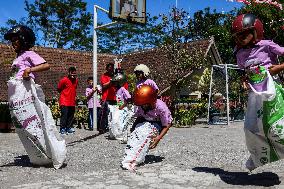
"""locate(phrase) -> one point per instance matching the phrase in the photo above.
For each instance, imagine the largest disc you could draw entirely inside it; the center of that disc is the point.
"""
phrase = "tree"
(10, 23)
(61, 24)
(125, 37)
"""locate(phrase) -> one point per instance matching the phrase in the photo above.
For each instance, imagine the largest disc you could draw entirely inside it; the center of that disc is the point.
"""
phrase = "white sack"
(138, 145)
(34, 123)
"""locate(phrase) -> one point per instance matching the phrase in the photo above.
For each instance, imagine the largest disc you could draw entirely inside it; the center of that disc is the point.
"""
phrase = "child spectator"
(142, 73)
(90, 102)
(121, 113)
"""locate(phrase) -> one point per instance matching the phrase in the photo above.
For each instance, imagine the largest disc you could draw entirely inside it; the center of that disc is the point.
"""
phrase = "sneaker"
(63, 131)
(70, 130)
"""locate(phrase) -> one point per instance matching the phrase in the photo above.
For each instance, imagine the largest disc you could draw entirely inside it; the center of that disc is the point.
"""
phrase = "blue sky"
(14, 9)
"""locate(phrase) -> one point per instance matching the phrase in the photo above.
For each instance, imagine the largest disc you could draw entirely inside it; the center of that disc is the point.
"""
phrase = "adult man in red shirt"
(67, 87)
(108, 96)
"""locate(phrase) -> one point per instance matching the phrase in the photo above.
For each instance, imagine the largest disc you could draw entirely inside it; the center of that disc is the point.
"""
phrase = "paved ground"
(199, 157)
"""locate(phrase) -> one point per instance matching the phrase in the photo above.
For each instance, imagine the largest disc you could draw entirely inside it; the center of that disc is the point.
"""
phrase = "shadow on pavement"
(149, 159)
(21, 161)
(82, 140)
(24, 161)
(242, 178)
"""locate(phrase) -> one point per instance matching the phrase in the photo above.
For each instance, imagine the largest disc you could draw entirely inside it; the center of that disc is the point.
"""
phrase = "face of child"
(139, 75)
(90, 82)
(147, 107)
(16, 44)
(244, 38)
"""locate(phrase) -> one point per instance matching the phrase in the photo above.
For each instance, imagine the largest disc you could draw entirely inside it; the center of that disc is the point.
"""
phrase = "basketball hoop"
(132, 11)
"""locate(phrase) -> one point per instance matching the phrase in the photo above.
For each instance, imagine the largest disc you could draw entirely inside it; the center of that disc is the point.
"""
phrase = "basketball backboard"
(133, 11)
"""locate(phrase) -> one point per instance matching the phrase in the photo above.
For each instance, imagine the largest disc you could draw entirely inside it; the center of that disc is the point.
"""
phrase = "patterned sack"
(119, 122)
(34, 123)
(138, 145)
(264, 124)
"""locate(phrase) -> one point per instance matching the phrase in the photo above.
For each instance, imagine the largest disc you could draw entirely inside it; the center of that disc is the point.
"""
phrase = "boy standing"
(67, 101)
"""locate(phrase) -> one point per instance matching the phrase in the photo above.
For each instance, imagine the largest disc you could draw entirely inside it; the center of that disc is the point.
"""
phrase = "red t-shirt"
(67, 89)
(110, 92)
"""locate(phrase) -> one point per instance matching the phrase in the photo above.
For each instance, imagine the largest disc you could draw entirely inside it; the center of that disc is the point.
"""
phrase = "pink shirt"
(264, 53)
(147, 82)
(160, 113)
(90, 102)
(28, 59)
(122, 95)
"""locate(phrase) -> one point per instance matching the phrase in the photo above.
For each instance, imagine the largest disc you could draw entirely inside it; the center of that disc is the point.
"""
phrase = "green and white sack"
(264, 125)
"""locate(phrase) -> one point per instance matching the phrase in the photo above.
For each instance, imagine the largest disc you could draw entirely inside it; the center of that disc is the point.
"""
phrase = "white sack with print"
(138, 145)
(119, 121)
(34, 123)
(264, 125)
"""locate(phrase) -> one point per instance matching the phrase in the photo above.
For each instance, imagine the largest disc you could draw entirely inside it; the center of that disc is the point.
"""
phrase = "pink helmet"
(248, 21)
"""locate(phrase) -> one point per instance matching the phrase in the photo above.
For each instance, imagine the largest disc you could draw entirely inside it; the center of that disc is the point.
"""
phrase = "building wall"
(60, 60)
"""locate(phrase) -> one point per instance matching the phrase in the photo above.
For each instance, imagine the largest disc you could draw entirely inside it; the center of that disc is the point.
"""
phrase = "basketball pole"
(95, 58)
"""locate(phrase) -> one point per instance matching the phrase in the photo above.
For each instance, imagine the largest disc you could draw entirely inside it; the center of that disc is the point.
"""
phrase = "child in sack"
(142, 73)
(152, 123)
(264, 118)
(31, 116)
(122, 112)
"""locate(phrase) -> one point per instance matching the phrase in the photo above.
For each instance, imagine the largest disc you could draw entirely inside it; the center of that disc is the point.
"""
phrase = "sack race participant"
(122, 112)
(142, 73)
(31, 116)
(152, 123)
(264, 118)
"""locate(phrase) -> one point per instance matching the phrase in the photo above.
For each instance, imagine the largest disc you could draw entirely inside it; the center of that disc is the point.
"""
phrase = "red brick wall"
(60, 60)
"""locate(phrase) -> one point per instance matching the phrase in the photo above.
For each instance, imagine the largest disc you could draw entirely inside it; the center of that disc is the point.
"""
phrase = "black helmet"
(25, 34)
(119, 78)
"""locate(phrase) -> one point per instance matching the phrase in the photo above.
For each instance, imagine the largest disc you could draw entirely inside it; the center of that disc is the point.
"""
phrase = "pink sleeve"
(276, 49)
(126, 94)
(35, 59)
(87, 92)
(165, 116)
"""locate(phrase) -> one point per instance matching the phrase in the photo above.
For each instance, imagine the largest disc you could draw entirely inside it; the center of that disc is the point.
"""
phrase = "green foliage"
(131, 79)
(81, 114)
(10, 23)
(186, 114)
(54, 108)
(63, 24)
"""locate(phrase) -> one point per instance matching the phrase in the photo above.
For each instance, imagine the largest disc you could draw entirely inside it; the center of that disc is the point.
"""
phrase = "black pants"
(67, 116)
(103, 126)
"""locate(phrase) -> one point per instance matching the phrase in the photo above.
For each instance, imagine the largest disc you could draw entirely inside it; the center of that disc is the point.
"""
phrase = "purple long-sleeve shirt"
(264, 53)
(160, 113)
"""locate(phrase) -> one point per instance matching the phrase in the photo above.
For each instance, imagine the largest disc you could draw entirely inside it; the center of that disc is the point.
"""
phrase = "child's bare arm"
(157, 139)
(276, 69)
(39, 68)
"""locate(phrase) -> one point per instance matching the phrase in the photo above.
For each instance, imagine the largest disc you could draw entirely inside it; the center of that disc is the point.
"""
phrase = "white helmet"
(143, 68)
